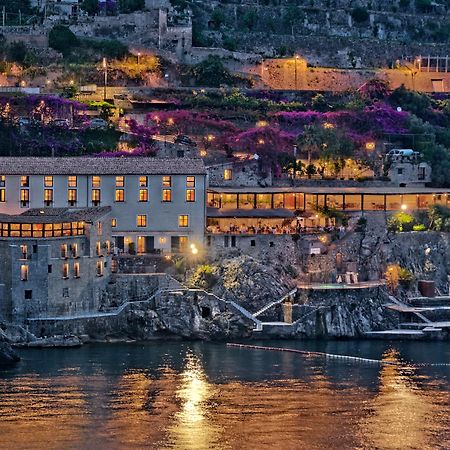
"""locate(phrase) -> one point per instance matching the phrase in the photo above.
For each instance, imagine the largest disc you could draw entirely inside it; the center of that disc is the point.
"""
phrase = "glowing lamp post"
(138, 57)
(296, 58)
(105, 77)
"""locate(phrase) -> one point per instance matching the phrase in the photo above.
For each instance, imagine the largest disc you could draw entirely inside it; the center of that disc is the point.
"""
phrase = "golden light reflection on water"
(329, 405)
(403, 414)
(194, 427)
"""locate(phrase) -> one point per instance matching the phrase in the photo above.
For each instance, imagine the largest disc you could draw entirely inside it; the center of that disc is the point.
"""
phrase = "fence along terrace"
(157, 204)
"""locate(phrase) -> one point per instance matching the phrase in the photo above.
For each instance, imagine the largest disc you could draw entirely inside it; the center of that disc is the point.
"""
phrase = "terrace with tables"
(288, 210)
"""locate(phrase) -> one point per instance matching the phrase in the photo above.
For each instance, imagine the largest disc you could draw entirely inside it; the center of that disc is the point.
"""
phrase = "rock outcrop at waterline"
(8, 356)
(187, 315)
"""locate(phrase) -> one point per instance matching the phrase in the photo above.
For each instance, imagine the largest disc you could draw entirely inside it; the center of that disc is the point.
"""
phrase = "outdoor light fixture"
(404, 207)
(203, 153)
(370, 145)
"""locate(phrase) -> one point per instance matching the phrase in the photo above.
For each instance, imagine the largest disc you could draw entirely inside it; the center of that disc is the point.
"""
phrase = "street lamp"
(296, 57)
(105, 77)
(138, 57)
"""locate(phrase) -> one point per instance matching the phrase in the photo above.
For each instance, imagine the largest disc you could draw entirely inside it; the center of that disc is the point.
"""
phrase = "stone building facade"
(156, 204)
(55, 262)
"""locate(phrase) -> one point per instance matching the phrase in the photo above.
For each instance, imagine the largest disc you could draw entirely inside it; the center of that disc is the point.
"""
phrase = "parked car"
(401, 152)
(186, 140)
(24, 121)
(62, 123)
(98, 124)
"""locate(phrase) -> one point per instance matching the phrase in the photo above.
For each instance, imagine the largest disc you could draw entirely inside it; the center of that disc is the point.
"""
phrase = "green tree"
(90, 6)
(62, 39)
(249, 19)
(129, 6)
(17, 52)
(424, 6)
(218, 17)
(211, 72)
(292, 16)
(360, 14)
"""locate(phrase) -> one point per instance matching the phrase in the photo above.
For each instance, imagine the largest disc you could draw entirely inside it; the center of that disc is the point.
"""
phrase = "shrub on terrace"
(401, 222)
(62, 39)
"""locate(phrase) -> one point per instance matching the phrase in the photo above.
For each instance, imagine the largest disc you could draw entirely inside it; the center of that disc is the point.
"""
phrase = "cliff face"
(191, 315)
(349, 313)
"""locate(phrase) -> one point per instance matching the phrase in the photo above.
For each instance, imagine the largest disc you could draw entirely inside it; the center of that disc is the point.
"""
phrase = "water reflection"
(404, 415)
(202, 396)
(194, 426)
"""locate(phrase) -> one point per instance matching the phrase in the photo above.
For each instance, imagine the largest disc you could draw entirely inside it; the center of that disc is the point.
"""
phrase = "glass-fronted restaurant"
(274, 206)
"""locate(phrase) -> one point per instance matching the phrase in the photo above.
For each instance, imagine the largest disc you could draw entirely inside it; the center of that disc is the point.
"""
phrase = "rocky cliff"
(177, 315)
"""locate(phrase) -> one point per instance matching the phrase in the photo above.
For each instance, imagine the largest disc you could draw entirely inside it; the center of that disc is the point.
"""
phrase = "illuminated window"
(74, 250)
(99, 268)
(228, 174)
(96, 181)
(166, 195)
(72, 181)
(190, 195)
(143, 195)
(143, 182)
(2, 195)
(25, 181)
(24, 252)
(63, 250)
(24, 197)
(183, 220)
(120, 195)
(72, 197)
(114, 266)
(120, 181)
(2, 180)
(141, 220)
(190, 181)
(48, 181)
(95, 197)
(65, 270)
(114, 223)
(76, 270)
(98, 248)
(167, 181)
(99, 228)
(48, 197)
(24, 272)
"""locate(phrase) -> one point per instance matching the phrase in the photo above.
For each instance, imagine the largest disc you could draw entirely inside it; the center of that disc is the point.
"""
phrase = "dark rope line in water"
(331, 355)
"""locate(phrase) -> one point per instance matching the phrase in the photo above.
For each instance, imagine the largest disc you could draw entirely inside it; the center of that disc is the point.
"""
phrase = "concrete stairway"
(418, 309)
(274, 303)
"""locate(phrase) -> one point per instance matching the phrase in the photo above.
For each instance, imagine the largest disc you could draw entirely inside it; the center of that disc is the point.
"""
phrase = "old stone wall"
(327, 33)
(247, 173)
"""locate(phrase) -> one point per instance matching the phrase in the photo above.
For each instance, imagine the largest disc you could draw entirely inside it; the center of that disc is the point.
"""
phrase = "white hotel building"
(156, 204)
